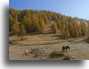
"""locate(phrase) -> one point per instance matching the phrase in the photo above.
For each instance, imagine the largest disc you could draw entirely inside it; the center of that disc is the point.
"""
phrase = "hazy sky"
(75, 8)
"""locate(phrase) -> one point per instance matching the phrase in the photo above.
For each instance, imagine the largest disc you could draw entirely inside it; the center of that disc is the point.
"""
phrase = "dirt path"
(79, 47)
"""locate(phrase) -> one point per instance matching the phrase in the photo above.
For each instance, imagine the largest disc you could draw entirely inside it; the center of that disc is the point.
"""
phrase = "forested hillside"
(23, 22)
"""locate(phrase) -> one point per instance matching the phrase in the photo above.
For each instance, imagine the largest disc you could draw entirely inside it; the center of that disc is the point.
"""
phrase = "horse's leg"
(63, 50)
(66, 49)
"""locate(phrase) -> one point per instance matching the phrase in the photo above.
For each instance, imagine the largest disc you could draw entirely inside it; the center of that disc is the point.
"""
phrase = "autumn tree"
(26, 21)
(88, 30)
(22, 31)
(15, 27)
(83, 28)
(35, 22)
(38, 21)
(10, 22)
(65, 33)
(45, 18)
(55, 28)
(42, 25)
(58, 22)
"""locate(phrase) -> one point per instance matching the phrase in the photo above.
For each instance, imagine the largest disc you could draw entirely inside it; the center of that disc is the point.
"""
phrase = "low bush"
(36, 55)
(67, 57)
(56, 54)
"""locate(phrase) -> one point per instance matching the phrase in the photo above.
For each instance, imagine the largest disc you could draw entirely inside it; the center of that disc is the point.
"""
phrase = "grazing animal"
(65, 48)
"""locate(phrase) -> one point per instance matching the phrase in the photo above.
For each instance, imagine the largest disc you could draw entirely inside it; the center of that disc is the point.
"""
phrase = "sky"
(74, 8)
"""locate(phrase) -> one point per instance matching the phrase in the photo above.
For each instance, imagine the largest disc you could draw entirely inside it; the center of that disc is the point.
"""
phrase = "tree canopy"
(29, 21)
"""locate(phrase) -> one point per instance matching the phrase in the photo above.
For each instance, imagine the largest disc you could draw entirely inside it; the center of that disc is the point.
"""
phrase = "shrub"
(36, 55)
(56, 54)
(67, 57)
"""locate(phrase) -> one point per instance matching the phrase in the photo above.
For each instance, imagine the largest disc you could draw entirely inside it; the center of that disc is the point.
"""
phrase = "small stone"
(72, 57)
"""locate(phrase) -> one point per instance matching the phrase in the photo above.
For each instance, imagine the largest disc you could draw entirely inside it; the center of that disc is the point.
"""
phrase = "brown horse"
(65, 48)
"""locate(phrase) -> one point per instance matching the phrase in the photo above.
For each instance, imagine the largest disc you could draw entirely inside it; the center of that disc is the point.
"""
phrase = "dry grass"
(49, 43)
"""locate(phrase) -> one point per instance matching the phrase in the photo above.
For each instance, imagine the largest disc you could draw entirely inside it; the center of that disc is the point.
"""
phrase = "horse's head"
(68, 47)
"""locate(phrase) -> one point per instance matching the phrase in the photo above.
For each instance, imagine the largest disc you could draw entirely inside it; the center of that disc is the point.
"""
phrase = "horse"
(68, 47)
(65, 48)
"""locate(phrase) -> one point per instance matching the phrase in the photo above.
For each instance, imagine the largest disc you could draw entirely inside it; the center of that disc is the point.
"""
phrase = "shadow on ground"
(86, 40)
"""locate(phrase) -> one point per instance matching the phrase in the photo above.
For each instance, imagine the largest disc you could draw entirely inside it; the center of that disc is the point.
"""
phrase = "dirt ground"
(48, 42)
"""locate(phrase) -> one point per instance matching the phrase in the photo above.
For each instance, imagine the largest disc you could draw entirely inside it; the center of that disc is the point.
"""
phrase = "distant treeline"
(33, 21)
